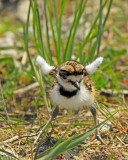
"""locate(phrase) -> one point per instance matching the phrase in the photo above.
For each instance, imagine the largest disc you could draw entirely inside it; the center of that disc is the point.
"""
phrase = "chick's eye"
(62, 75)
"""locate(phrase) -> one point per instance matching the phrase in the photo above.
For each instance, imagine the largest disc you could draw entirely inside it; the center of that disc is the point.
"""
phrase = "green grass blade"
(57, 143)
(90, 32)
(26, 39)
(63, 2)
(5, 107)
(71, 44)
(108, 11)
(8, 153)
(34, 35)
(47, 33)
(38, 29)
(37, 149)
(38, 33)
(118, 32)
(100, 30)
(27, 49)
(91, 56)
(26, 36)
(101, 26)
(41, 82)
(69, 144)
(70, 33)
(110, 114)
(55, 14)
(52, 27)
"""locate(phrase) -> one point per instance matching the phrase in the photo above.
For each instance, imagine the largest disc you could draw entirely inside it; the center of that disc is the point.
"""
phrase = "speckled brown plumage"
(53, 73)
(72, 67)
(90, 86)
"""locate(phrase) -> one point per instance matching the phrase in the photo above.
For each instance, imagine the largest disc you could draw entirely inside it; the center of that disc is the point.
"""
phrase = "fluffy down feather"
(91, 68)
(45, 67)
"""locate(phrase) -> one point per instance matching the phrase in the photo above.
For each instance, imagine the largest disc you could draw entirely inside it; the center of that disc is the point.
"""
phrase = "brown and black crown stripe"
(66, 73)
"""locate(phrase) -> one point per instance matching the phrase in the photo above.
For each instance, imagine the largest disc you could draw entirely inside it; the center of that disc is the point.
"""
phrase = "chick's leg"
(53, 116)
(94, 113)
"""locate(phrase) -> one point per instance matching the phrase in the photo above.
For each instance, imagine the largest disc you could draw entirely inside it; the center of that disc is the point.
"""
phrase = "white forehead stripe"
(75, 78)
(45, 67)
(91, 68)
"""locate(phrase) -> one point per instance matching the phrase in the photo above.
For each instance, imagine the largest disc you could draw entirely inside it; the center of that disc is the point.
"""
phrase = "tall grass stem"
(5, 107)
(100, 30)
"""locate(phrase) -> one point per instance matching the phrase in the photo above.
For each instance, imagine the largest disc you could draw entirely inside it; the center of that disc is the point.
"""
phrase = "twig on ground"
(110, 91)
(90, 143)
(38, 134)
(120, 140)
(9, 140)
(126, 146)
(27, 88)
(16, 138)
(41, 132)
(24, 58)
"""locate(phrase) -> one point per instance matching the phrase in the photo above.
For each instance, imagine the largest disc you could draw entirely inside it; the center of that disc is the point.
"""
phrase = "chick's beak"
(77, 85)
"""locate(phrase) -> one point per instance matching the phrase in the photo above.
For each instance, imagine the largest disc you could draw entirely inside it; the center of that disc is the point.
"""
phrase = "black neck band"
(66, 93)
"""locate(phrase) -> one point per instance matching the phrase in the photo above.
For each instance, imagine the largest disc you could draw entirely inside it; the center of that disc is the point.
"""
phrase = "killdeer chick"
(72, 88)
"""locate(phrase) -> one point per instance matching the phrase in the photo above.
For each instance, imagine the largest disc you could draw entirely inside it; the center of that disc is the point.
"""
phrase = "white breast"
(82, 99)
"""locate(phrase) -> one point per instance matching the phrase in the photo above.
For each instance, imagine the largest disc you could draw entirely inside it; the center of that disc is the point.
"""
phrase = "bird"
(73, 88)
